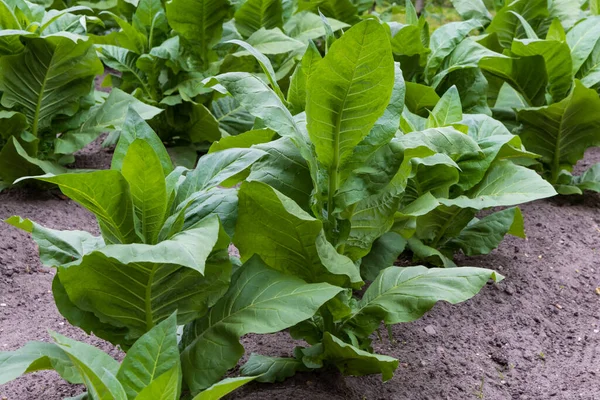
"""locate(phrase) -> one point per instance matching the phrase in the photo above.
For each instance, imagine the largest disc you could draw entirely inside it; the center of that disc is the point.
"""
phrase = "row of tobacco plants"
(335, 139)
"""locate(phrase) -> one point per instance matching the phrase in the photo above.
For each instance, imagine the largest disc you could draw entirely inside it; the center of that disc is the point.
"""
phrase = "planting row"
(333, 144)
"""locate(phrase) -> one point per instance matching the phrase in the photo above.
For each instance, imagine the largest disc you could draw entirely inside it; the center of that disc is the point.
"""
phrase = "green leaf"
(264, 62)
(107, 117)
(134, 127)
(200, 22)
(561, 132)
(348, 92)
(557, 57)
(107, 195)
(507, 25)
(444, 40)
(57, 247)
(37, 356)
(16, 163)
(306, 26)
(472, 9)
(420, 99)
(12, 123)
(272, 42)
(447, 111)
(342, 10)
(384, 253)
(582, 39)
(215, 168)
(260, 101)
(566, 11)
(224, 387)
(297, 90)
(349, 359)
(271, 369)
(505, 184)
(243, 140)
(590, 179)
(151, 356)
(404, 294)
(203, 126)
(150, 19)
(484, 235)
(284, 169)
(466, 55)
(143, 171)
(232, 117)
(256, 14)
(166, 387)
(260, 300)
(517, 73)
(138, 286)
(287, 238)
(97, 368)
(48, 78)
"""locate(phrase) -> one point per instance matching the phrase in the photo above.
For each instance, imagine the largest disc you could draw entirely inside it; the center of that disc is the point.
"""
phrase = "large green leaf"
(36, 356)
(284, 169)
(256, 14)
(200, 22)
(444, 40)
(259, 300)
(582, 39)
(57, 247)
(517, 73)
(134, 127)
(404, 294)
(143, 171)
(287, 238)
(557, 57)
(348, 92)
(152, 355)
(561, 132)
(48, 78)
(137, 286)
(107, 195)
(506, 23)
(97, 368)
(504, 184)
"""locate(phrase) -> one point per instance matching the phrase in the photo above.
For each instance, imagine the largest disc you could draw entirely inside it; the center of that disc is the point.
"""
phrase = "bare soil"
(535, 335)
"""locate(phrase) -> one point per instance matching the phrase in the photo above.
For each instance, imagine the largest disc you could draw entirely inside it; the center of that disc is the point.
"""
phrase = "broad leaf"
(348, 92)
(287, 238)
(259, 300)
(561, 132)
(152, 355)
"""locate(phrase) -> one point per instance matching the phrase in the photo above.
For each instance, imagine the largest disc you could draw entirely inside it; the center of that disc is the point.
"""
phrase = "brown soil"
(534, 336)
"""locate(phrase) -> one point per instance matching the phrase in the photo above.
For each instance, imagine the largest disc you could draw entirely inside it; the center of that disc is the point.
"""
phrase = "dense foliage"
(336, 139)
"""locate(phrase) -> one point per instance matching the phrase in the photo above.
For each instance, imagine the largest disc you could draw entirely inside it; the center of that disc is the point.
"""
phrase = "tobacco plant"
(48, 67)
(474, 168)
(327, 189)
(544, 89)
(150, 370)
(164, 249)
(164, 57)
